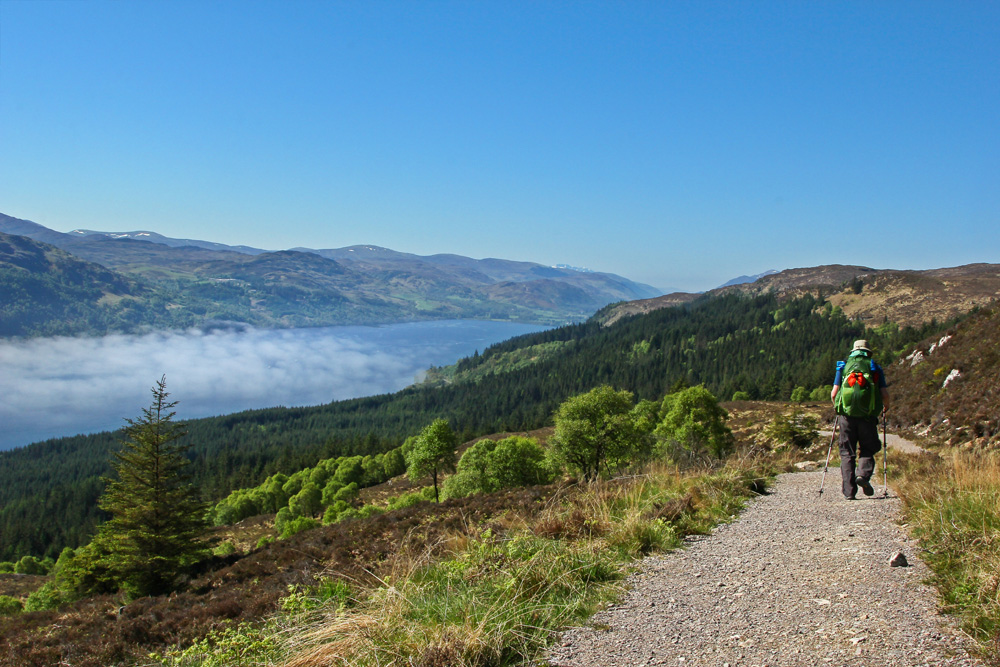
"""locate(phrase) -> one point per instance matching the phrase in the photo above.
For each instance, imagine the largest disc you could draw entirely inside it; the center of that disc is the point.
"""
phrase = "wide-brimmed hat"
(862, 345)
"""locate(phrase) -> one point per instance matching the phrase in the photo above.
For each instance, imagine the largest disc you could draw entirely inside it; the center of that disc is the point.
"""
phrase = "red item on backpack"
(856, 380)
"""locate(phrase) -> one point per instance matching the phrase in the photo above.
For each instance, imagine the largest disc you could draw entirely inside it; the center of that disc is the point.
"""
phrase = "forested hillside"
(197, 283)
(47, 291)
(756, 345)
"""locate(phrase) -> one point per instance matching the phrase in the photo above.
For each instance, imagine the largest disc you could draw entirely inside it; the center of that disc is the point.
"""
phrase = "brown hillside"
(874, 296)
(949, 386)
(798, 282)
(915, 297)
(643, 306)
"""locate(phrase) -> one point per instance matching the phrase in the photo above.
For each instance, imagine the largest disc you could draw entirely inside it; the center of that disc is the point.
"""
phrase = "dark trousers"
(858, 443)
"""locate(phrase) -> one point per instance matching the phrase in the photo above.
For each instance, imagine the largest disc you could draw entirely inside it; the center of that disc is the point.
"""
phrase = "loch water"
(53, 387)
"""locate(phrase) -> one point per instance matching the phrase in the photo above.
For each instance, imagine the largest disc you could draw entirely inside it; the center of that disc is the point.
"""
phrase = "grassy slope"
(479, 580)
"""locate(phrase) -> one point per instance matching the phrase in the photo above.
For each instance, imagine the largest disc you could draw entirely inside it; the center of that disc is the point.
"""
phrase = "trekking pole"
(836, 425)
(885, 455)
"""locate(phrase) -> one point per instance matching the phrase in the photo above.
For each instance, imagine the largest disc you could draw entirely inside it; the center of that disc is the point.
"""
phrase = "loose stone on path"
(797, 579)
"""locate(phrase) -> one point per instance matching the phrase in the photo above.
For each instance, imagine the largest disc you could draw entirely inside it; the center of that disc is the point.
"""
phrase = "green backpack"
(859, 394)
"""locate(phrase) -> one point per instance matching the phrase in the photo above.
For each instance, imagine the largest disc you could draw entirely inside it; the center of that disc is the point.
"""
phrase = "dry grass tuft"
(953, 505)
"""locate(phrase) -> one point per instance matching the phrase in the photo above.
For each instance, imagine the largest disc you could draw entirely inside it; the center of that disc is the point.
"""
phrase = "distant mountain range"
(748, 279)
(130, 281)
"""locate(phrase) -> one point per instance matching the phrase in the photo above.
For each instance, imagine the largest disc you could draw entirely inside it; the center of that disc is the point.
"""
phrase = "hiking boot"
(866, 486)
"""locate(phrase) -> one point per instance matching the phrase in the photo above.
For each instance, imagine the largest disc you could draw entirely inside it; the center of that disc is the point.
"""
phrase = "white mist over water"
(52, 387)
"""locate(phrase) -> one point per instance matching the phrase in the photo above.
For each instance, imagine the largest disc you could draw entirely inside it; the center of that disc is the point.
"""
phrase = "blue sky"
(677, 143)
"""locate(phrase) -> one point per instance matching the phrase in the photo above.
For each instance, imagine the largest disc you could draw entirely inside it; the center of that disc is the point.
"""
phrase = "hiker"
(858, 406)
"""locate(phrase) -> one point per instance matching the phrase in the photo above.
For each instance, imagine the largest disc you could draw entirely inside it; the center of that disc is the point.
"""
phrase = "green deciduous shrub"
(307, 502)
(333, 512)
(9, 606)
(46, 597)
(412, 498)
(30, 565)
(493, 465)
(693, 427)
(224, 549)
(598, 430)
(821, 393)
(237, 645)
(370, 510)
(297, 525)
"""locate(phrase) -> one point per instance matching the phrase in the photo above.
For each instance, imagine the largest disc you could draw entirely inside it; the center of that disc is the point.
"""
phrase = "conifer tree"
(158, 522)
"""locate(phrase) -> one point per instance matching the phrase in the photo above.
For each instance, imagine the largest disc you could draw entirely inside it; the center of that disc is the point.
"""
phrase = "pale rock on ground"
(798, 579)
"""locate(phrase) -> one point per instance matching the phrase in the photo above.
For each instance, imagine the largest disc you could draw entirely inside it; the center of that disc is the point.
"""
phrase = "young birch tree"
(432, 453)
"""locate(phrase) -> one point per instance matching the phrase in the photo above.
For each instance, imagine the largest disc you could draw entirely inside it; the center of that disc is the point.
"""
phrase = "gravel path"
(798, 579)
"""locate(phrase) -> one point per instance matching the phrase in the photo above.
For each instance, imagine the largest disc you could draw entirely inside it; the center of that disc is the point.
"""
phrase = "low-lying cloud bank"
(53, 387)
